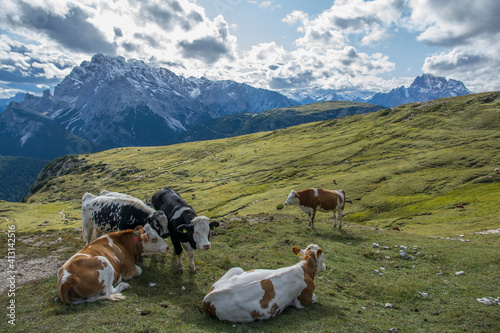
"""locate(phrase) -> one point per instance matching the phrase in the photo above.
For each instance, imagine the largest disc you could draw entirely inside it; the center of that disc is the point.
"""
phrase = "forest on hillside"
(18, 174)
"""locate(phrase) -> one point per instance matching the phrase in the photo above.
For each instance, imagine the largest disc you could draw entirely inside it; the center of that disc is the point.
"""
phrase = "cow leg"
(87, 227)
(340, 212)
(133, 272)
(97, 233)
(334, 219)
(180, 269)
(190, 252)
(312, 214)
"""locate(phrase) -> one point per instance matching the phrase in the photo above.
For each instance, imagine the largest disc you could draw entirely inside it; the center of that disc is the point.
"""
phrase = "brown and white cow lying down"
(264, 293)
(96, 272)
(311, 200)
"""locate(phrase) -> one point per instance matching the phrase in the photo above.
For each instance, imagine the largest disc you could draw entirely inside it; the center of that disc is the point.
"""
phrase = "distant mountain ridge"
(423, 89)
(270, 120)
(110, 102)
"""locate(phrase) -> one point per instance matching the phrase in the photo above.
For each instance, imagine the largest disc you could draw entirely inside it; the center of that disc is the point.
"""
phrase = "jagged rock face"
(112, 102)
(423, 89)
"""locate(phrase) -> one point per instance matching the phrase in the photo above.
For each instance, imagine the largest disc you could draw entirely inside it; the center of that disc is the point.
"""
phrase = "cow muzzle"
(206, 247)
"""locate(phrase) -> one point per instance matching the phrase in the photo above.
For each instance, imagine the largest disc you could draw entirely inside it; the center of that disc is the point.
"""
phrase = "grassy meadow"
(405, 167)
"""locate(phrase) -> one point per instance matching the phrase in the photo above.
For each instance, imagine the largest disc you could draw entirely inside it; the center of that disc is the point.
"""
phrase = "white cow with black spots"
(119, 212)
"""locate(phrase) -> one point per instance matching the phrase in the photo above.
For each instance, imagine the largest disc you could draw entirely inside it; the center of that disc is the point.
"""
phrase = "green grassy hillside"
(407, 166)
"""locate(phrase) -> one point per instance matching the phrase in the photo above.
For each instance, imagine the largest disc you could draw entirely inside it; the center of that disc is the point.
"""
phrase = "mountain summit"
(111, 102)
(424, 88)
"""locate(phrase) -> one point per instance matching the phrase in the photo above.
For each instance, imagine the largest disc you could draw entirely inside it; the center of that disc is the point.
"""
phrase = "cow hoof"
(180, 271)
(192, 271)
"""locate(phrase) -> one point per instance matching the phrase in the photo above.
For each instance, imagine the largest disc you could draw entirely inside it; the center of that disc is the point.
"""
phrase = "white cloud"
(44, 39)
(470, 33)
(177, 32)
(268, 5)
(333, 27)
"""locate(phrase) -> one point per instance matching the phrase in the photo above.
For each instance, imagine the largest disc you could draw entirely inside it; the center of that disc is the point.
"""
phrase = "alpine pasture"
(407, 167)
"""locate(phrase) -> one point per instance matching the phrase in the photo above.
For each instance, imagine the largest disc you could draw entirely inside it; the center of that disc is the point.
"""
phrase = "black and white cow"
(119, 212)
(187, 229)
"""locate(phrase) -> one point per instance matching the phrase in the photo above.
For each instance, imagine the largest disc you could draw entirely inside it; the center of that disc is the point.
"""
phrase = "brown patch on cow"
(256, 314)
(209, 308)
(275, 310)
(252, 270)
(145, 238)
(310, 268)
(211, 289)
(269, 293)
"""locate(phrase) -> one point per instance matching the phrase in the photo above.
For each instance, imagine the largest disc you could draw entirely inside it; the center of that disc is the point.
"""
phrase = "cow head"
(293, 199)
(159, 222)
(314, 252)
(151, 242)
(199, 231)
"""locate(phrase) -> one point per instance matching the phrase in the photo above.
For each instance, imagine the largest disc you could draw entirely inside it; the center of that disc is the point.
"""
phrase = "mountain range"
(270, 120)
(110, 102)
(423, 89)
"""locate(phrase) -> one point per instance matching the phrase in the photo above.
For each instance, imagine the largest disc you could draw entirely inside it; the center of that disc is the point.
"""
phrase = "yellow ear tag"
(185, 231)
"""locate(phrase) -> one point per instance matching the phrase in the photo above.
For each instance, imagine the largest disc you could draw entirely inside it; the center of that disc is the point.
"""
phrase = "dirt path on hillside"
(28, 270)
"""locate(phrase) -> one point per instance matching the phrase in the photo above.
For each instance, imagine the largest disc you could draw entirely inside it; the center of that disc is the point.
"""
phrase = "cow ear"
(214, 225)
(139, 227)
(184, 228)
(319, 252)
(296, 250)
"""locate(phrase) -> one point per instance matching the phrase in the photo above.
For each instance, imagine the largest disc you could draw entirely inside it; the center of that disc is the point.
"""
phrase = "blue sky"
(345, 45)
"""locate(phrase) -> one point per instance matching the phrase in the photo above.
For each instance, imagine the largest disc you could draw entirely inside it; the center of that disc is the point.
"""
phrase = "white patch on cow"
(78, 254)
(292, 199)
(201, 232)
(155, 243)
(105, 272)
(316, 194)
(179, 212)
(341, 195)
(110, 241)
(307, 210)
(65, 276)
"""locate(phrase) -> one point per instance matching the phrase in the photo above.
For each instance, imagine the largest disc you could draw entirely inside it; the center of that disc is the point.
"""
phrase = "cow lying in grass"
(96, 272)
(264, 293)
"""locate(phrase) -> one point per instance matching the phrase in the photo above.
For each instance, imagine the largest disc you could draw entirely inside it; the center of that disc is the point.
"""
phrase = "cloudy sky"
(347, 45)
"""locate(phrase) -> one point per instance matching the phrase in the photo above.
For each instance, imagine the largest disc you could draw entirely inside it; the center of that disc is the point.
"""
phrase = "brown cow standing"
(311, 200)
